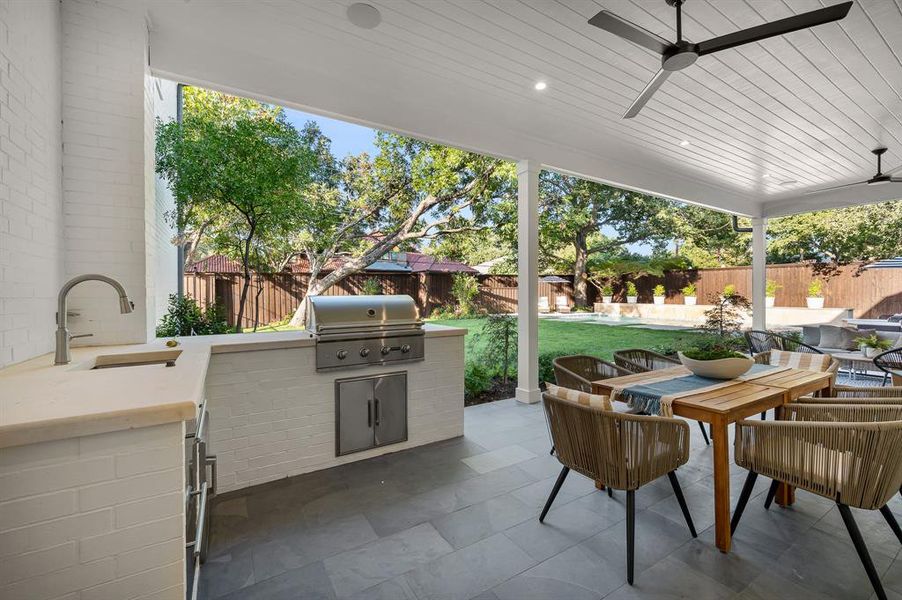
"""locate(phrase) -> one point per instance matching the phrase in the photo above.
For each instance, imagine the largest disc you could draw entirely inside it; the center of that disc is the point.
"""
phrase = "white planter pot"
(659, 299)
(815, 302)
(722, 368)
(769, 301)
(632, 299)
(689, 300)
(870, 352)
(607, 299)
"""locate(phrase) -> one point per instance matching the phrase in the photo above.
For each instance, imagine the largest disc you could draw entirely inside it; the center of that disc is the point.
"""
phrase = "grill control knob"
(405, 348)
(364, 352)
(342, 354)
(385, 350)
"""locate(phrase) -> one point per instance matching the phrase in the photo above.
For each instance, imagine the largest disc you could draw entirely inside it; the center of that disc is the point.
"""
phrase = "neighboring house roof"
(486, 267)
(406, 262)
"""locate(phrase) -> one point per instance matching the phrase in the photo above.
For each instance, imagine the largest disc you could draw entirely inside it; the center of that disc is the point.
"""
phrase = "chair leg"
(610, 492)
(743, 500)
(704, 433)
(630, 533)
(678, 492)
(764, 416)
(554, 491)
(891, 519)
(771, 492)
(551, 452)
(862, 549)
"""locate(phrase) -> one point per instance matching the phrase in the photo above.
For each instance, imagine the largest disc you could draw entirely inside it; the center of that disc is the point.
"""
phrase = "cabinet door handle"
(369, 413)
(378, 416)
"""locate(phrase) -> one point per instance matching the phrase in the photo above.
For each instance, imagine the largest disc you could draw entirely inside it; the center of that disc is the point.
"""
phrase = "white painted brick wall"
(105, 186)
(97, 517)
(272, 416)
(30, 197)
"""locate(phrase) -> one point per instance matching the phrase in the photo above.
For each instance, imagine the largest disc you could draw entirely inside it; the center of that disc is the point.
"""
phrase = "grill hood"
(362, 314)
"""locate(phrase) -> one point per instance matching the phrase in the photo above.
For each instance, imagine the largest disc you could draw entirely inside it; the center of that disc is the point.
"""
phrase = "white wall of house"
(30, 197)
(78, 193)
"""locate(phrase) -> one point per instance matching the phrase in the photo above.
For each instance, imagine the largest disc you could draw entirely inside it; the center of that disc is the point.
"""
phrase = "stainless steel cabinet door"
(355, 415)
(390, 408)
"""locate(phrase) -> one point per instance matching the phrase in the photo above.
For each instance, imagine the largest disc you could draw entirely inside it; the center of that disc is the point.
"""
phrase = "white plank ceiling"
(766, 122)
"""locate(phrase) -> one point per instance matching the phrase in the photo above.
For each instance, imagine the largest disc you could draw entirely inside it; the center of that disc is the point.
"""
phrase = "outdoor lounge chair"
(621, 451)
(847, 392)
(638, 360)
(764, 341)
(846, 453)
(562, 304)
(578, 371)
(890, 362)
(543, 304)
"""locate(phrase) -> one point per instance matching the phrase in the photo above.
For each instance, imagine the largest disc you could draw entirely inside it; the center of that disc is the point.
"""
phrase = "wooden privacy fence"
(272, 297)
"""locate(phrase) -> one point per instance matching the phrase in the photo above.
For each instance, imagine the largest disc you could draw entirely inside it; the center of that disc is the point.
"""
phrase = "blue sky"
(347, 138)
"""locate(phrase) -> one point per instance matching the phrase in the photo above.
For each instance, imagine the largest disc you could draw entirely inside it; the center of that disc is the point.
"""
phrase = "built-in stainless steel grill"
(354, 331)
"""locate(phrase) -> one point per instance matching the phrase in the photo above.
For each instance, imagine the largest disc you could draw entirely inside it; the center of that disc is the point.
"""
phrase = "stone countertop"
(41, 402)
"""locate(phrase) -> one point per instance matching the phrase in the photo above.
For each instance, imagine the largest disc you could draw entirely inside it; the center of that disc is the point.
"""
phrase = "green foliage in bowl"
(712, 353)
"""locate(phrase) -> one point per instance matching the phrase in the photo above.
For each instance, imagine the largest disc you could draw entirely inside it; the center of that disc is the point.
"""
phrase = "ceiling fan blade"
(895, 179)
(836, 187)
(643, 98)
(775, 28)
(629, 31)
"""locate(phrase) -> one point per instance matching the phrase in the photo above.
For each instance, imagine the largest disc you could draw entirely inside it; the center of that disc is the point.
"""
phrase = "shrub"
(607, 290)
(477, 379)
(659, 290)
(771, 287)
(371, 287)
(631, 289)
(546, 369)
(816, 289)
(689, 290)
(464, 288)
(726, 317)
(499, 350)
(185, 317)
(729, 290)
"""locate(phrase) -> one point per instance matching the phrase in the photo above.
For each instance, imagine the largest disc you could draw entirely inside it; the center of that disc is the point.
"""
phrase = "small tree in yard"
(234, 167)
(464, 288)
(500, 347)
(726, 316)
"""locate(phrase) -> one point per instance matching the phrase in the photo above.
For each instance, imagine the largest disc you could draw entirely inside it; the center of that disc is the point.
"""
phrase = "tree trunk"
(314, 288)
(245, 263)
(580, 275)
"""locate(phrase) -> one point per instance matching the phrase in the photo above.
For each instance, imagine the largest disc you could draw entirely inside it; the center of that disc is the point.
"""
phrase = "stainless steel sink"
(137, 359)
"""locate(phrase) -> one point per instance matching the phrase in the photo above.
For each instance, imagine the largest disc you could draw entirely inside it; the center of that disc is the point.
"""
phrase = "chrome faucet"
(62, 332)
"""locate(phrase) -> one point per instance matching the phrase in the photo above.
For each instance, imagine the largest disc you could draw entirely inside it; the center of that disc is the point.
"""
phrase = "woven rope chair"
(847, 453)
(578, 371)
(620, 450)
(761, 341)
(890, 362)
(847, 392)
(638, 360)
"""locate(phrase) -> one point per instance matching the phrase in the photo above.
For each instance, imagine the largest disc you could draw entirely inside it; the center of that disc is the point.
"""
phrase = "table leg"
(721, 483)
(786, 494)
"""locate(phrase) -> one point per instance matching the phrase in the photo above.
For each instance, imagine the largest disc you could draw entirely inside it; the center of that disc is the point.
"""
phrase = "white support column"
(528, 282)
(759, 276)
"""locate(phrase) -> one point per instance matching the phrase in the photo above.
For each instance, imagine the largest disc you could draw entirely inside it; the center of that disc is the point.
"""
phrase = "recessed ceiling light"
(363, 15)
(540, 85)
(685, 143)
(765, 176)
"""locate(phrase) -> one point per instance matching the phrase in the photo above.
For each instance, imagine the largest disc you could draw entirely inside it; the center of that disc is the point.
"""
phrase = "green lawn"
(584, 338)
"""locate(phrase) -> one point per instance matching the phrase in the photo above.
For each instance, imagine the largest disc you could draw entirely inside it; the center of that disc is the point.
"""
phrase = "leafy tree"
(234, 167)
(706, 238)
(464, 288)
(410, 193)
(579, 220)
(725, 317)
(833, 238)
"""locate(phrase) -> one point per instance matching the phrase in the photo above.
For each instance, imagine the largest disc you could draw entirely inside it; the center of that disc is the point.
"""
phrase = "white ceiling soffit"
(766, 122)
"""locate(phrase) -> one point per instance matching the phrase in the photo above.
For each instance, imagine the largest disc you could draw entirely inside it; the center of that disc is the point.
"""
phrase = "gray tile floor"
(459, 519)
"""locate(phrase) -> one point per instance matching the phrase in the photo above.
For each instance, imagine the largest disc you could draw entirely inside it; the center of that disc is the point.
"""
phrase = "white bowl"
(722, 368)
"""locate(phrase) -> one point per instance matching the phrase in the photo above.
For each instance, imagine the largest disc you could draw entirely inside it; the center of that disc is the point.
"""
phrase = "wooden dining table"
(724, 406)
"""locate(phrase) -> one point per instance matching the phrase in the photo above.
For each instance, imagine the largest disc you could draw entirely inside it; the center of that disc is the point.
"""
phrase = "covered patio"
(755, 132)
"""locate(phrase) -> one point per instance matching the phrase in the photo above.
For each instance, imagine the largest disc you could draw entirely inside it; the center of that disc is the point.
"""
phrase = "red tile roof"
(420, 263)
(215, 264)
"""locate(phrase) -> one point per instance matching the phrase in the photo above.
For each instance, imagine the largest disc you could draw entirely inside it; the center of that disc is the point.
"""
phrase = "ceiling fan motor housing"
(679, 56)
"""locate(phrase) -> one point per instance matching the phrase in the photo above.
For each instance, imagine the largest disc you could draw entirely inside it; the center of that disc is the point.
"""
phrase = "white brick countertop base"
(273, 416)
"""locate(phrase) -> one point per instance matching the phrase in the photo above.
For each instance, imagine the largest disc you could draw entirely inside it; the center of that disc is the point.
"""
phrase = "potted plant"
(770, 292)
(689, 297)
(717, 362)
(659, 294)
(815, 294)
(607, 293)
(871, 345)
(632, 294)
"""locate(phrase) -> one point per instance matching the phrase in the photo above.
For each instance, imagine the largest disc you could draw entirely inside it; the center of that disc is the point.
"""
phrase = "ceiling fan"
(678, 55)
(879, 178)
